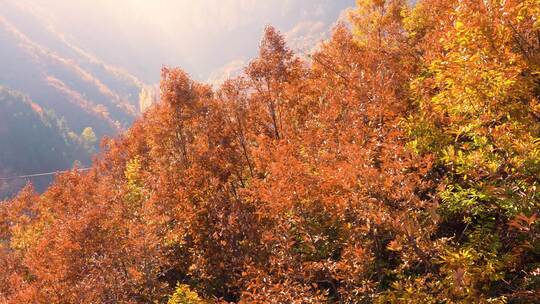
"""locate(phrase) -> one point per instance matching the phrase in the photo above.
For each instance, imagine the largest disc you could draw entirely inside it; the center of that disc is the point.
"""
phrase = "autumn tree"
(477, 91)
(399, 165)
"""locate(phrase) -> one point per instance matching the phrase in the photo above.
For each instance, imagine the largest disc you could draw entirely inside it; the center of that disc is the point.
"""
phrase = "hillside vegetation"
(33, 139)
(57, 74)
(66, 90)
(401, 164)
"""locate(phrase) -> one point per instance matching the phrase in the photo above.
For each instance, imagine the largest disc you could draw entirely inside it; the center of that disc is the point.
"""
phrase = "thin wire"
(40, 174)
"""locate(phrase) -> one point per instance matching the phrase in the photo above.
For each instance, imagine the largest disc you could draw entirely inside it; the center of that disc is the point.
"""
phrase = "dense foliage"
(400, 165)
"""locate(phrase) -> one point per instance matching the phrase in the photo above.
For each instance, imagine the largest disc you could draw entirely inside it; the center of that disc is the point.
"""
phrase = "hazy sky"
(202, 36)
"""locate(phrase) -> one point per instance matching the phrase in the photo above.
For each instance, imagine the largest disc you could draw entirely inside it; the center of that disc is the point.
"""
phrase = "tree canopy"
(400, 164)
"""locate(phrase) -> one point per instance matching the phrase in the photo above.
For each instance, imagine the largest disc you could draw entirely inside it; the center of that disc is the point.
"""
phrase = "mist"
(202, 36)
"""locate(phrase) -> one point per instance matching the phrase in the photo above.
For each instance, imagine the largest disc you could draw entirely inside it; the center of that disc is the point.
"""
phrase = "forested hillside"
(35, 140)
(399, 164)
(83, 92)
(59, 83)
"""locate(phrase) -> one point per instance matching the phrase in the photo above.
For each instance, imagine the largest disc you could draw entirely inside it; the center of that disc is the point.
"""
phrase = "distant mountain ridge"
(34, 140)
(52, 94)
(59, 75)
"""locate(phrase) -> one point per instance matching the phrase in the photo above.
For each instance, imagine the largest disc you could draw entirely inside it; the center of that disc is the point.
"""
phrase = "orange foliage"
(293, 183)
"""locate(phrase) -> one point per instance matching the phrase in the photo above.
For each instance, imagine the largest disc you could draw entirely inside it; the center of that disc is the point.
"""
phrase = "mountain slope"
(34, 140)
(58, 75)
(55, 87)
